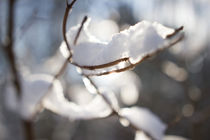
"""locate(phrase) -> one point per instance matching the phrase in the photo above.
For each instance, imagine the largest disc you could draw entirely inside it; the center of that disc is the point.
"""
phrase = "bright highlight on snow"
(145, 120)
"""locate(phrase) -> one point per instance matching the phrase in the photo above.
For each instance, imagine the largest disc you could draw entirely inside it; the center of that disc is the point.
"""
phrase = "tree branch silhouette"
(9, 50)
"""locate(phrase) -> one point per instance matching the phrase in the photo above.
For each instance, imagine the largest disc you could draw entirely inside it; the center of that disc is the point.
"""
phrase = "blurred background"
(174, 84)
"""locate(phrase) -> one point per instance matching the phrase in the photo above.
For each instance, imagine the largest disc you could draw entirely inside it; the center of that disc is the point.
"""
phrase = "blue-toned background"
(175, 83)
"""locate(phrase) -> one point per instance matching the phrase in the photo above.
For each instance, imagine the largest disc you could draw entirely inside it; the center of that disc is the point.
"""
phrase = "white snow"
(173, 137)
(126, 85)
(140, 39)
(145, 120)
(36, 96)
(141, 136)
(33, 90)
(96, 108)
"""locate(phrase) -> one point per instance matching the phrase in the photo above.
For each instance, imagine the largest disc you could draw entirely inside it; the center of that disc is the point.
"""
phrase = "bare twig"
(80, 29)
(175, 32)
(65, 18)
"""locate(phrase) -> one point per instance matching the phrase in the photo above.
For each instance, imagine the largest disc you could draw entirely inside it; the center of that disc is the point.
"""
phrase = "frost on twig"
(123, 52)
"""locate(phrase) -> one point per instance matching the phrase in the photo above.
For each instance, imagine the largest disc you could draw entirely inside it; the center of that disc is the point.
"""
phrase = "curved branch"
(65, 18)
(142, 59)
(109, 64)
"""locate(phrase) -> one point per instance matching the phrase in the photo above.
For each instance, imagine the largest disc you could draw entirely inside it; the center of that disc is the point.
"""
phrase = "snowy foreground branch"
(123, 52)
(93, 57)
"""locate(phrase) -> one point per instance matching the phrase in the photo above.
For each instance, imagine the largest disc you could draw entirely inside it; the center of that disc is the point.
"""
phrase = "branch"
(28, 128)
(80, 29)
(55, 77)
(8, 46)
(99, 93)
(115, 112)
(65, 64)
(62, 69)
(94, 67)
(126, 59)
(131, 65)
(175, 32)
(65, 18)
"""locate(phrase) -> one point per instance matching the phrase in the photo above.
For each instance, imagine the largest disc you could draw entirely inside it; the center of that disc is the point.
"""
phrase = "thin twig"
(91, 81)
(55, 77)
(175, 32)
(99, 93)
(94, 67)
(114, 111)
(80, 29)
(62, 69)
(65, 18)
